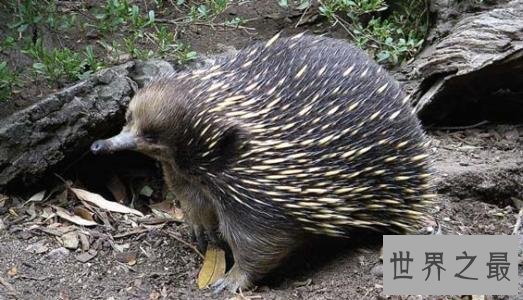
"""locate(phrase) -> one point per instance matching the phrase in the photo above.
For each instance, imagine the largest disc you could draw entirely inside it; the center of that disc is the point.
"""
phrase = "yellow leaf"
(12, 272)
(213, 267)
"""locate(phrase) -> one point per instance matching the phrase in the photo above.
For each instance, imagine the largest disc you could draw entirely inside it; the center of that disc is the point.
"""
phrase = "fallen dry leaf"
(13, 271)
(84, 241)
(64, 214)
(154, 296)
(147, 191)
(37, 197)
(213, 267)
(101, 202)
(117, 188)
(128, 258)
(47, 213)
(167, 209)
(84, 213)
(86, 256)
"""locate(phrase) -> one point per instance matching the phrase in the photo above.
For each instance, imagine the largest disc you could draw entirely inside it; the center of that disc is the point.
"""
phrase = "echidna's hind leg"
(234, 280)
(256, 252)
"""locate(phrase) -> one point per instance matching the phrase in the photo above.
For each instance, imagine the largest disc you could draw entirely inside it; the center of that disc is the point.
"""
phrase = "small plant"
(236, 21)
(113, 15)
(299, 4)
(91, 60)
(57, 65)
(165, 40)
(62, 22)
(139, 22)
(390, 38)
(7, 43)
(206, 11)
(184, 54)
(131, 47)
(168, 47)
(28, 14)
(8, 80)
(117, 13)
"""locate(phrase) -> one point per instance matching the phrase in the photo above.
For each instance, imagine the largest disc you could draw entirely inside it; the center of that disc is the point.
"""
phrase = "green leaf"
(151, 16)
(304, 4)
(39, 67)
(283, 3)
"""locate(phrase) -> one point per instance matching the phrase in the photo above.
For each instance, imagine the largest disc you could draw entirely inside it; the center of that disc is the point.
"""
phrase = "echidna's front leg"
(199, 211)
(200, 215)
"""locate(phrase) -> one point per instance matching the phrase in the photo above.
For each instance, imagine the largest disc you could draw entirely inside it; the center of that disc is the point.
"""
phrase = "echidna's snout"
(122, 141)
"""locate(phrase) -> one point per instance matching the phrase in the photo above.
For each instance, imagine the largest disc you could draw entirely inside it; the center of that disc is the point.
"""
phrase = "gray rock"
(144, 71)
(58, 253)
(57, 129)
(471, 68)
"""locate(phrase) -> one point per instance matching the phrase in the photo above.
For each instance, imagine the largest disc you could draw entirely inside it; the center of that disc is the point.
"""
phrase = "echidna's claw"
(198, 236)
(234, 280)
(218, 286)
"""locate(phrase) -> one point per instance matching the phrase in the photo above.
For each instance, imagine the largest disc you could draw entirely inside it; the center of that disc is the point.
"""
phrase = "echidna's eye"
(150, 136)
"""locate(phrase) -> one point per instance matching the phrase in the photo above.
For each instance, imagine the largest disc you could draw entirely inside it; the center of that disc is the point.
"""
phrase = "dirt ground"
(478, 176)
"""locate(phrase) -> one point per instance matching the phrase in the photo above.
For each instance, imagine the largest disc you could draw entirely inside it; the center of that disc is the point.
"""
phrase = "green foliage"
(390, 34)
(299, 4)
(91, 60)
(8, 80)
(117, 13)
(28, 13)
(59, 65)
(167, 47)
(204, 10)
(7, 43)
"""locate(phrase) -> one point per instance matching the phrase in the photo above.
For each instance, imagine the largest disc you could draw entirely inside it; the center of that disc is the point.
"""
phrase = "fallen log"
(471, 69)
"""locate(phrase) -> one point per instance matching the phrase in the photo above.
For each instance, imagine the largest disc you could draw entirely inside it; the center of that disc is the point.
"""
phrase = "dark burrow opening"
(493, 94)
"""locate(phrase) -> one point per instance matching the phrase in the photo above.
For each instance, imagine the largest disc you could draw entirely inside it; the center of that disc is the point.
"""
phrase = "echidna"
(292, 137)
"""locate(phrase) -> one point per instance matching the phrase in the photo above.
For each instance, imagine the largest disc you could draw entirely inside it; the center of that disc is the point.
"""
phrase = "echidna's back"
(334, 143)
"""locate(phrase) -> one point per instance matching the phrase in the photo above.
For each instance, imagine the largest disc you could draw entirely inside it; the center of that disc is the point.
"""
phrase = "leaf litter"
(84, 222)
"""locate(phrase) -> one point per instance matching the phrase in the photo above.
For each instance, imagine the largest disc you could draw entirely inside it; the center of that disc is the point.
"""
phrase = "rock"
(144, 71)
(470, 70)
(58, 253)
(37, 248)
(86, 256)
(56, 130)
(377, 270)
(70, 240)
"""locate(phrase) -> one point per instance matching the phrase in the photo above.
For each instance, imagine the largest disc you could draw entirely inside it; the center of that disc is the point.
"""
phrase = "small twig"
(460, 127)
(179, 239)
(157, 221)
(8, 286)
(34, 278)
(212, 25)
(132, 232)
(518, 222)
(301, 17)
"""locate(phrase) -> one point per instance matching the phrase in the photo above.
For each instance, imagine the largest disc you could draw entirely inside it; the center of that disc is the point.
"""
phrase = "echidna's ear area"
(218, 145)
(231, 144)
